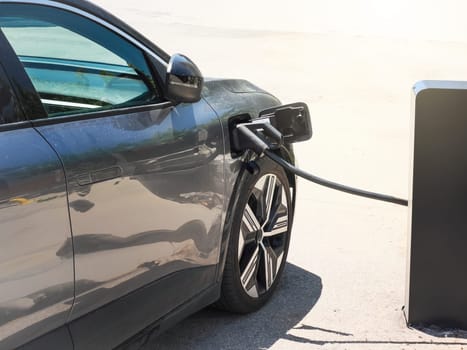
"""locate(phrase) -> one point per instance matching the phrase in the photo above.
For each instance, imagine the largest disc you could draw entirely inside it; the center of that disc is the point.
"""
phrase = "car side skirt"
(152, 302)
(150, 333)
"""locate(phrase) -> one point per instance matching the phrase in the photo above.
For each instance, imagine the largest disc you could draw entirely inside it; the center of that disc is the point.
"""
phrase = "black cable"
(333, 185)
(245, 137)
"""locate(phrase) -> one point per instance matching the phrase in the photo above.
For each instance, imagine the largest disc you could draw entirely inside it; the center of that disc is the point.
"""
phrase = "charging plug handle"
(244, 139)
(257, 136)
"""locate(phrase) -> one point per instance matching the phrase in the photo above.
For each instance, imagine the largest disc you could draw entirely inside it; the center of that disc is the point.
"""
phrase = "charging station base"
(437, 276)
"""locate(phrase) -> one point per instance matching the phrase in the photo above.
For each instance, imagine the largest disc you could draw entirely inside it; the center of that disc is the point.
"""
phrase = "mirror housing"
(183, 80)
(292, 120)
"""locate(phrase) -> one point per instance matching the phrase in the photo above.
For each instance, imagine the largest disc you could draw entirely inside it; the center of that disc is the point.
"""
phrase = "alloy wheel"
(263, 235)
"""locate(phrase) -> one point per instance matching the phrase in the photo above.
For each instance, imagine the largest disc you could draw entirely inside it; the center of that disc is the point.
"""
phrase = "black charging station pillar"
(437, 269)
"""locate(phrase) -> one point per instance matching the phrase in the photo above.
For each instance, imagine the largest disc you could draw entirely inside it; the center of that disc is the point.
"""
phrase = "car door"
(144, 177)
(36, 284)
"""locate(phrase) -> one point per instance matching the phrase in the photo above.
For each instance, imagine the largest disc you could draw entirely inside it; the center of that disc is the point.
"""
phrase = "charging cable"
(263, 138)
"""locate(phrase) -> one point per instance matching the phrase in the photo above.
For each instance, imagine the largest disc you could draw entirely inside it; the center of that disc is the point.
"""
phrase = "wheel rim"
(263, 235)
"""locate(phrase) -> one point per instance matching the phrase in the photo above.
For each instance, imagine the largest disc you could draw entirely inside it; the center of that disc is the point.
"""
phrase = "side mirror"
(183, 80)
(292, 120)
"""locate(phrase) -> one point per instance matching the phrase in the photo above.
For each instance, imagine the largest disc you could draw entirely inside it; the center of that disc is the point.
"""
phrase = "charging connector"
(263, 138)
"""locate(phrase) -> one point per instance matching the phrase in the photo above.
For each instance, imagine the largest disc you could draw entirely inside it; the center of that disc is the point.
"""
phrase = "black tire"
(272, 242)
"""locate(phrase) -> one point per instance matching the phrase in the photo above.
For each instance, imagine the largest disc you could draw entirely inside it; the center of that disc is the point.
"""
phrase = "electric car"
(123, 207)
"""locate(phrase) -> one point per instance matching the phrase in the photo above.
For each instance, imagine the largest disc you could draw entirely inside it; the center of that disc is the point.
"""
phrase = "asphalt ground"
(354, 63)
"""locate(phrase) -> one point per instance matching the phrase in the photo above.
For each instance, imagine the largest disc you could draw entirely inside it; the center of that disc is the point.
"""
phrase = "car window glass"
(75, 64)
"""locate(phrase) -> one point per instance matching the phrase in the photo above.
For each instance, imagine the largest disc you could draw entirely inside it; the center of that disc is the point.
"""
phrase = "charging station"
(437, 257)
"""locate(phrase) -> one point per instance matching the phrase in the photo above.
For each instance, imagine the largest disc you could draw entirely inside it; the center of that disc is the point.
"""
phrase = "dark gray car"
(122, 207)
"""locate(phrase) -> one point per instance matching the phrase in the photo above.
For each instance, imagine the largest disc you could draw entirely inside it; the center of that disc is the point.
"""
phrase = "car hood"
(237, 86)
(231, 97)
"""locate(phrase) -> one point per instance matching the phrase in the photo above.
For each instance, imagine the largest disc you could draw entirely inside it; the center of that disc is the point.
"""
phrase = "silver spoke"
(241, 244)
(281, 226)
(271, 265)
(250, 226)
(253, 291)
(270, 190)
(250, 220)
(284, 196)
(248, 276)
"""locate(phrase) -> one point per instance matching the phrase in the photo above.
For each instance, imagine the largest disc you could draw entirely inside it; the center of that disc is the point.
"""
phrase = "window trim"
(25, 124)
(101, 113)
(44, 119)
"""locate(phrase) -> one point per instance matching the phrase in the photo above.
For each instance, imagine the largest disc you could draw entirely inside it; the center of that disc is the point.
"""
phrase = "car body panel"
(146, 197)
(36, 284)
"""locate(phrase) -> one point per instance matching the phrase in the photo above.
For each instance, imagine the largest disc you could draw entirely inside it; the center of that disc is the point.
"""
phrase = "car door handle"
(99, 175)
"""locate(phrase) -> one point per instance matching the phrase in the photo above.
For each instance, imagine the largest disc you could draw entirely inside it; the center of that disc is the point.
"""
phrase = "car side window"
(75, 64)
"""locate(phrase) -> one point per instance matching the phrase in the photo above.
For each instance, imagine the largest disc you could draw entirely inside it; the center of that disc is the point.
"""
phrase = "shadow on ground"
(296, 295)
